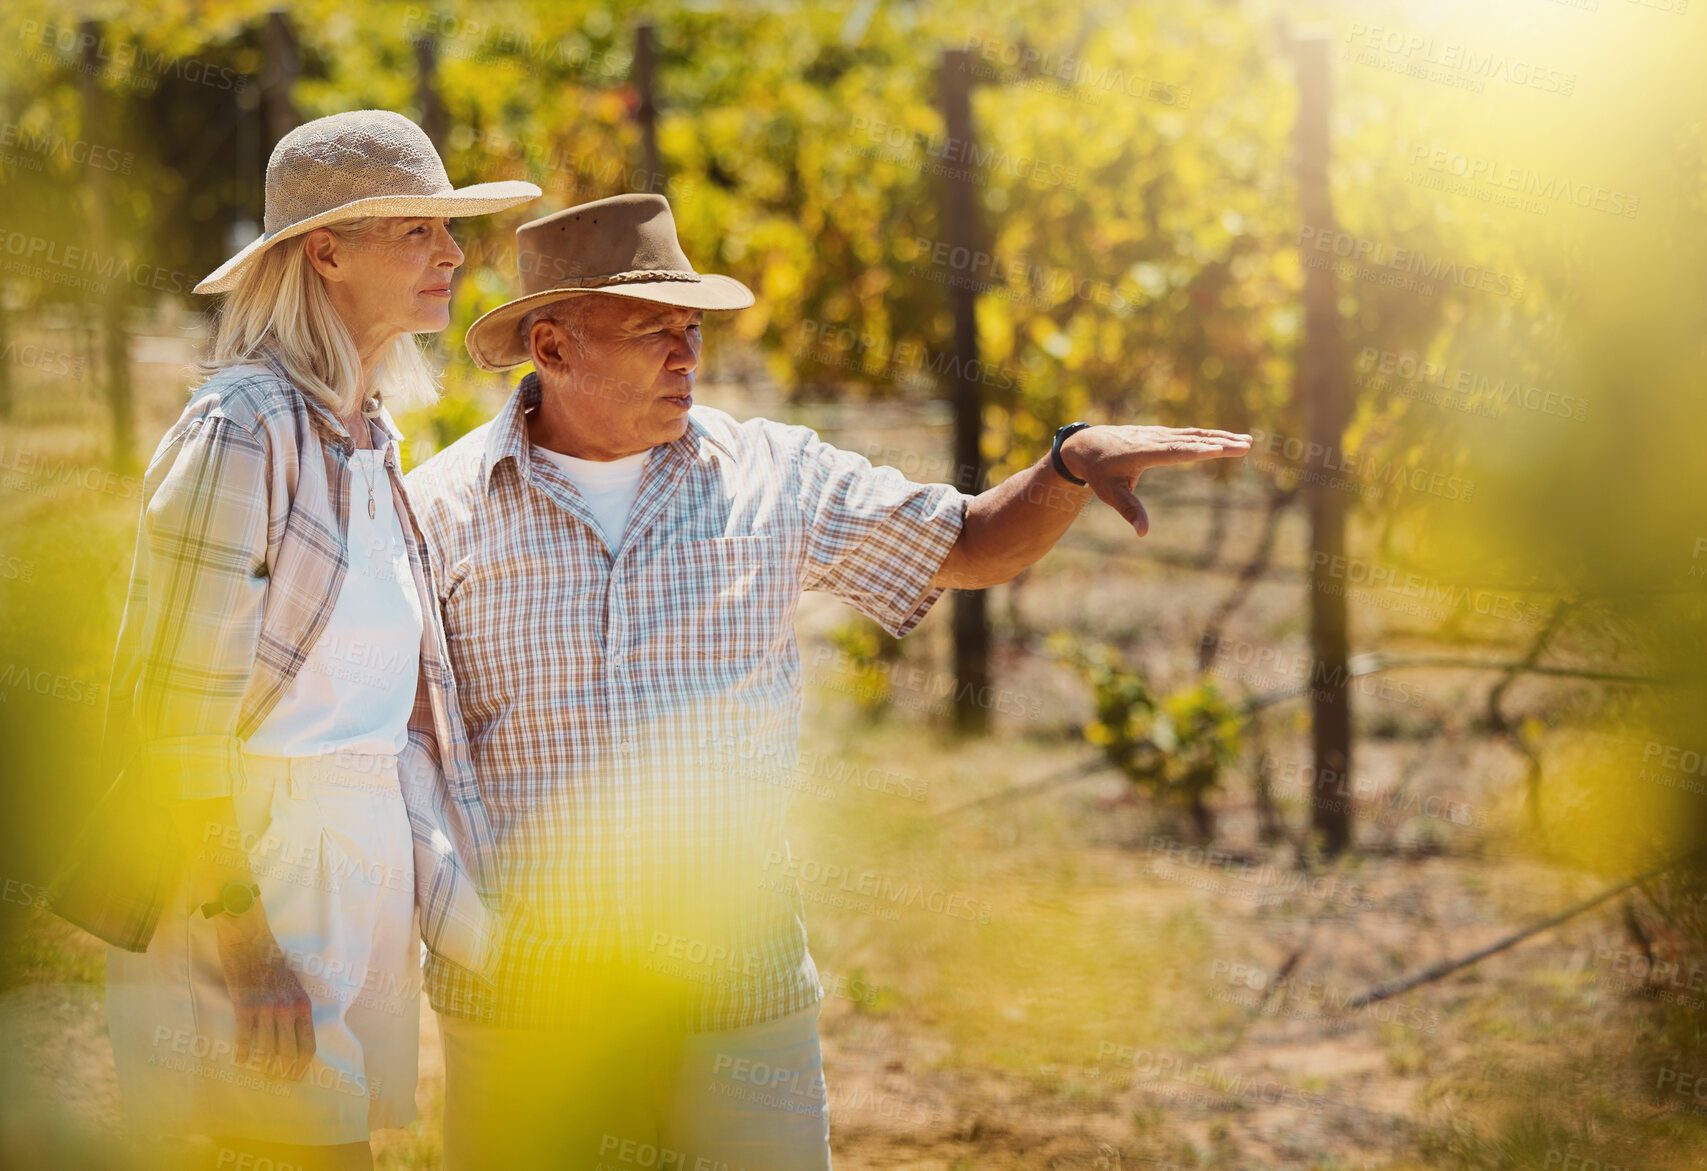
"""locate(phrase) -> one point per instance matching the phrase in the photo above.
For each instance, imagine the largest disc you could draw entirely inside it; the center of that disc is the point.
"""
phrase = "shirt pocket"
(728, 599)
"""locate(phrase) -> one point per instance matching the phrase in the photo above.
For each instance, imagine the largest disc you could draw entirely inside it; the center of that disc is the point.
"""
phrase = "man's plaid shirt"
(240, 555)
(634, 719)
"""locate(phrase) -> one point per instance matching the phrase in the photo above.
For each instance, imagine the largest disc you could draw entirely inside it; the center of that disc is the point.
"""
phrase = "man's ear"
(321, 247)
(549, 344)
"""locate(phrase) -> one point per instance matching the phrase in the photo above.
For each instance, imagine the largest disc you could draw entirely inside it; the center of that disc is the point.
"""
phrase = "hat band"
(402, 186)
(623, 278)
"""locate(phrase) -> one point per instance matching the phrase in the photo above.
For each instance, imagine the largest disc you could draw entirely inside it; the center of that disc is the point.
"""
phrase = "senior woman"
(280, 696)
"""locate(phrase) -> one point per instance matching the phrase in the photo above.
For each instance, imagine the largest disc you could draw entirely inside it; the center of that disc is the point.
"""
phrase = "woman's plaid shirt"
(634, 719)
(240, 555)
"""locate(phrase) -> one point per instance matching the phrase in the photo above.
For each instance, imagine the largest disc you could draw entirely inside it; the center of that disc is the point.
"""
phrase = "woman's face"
(394, 279)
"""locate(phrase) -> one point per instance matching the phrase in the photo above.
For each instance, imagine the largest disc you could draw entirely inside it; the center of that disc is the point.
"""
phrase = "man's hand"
(1110, 459)
(1019, 520)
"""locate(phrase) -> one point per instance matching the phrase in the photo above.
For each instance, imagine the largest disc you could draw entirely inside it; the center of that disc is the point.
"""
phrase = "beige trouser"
(608, 1096)
(329, 842)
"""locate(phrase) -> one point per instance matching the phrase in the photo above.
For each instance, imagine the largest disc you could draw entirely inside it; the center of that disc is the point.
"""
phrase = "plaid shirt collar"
(321, 415)
(508, 436)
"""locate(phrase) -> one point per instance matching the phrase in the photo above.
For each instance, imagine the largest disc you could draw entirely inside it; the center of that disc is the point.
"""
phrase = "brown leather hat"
(625, 246)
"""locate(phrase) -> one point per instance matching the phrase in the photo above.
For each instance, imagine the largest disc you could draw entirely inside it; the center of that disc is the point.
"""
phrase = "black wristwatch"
(234, 898)
(1055, 452)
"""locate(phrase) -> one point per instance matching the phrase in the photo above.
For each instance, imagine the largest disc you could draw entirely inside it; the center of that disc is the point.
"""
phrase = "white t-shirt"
(608, 486)
(356, 688)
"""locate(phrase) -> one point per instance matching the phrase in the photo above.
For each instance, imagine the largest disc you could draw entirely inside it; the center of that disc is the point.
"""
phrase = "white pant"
(568, 1100)
(328, 839)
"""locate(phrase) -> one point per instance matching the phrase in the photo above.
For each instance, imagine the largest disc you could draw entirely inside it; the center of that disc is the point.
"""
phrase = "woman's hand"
(274, 1015)
(275, 1019)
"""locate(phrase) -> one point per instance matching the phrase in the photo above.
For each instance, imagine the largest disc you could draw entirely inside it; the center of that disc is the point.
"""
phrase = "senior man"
(618, 570)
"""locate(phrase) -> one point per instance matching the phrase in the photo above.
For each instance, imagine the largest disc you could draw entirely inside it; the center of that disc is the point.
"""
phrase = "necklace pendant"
(371, 511)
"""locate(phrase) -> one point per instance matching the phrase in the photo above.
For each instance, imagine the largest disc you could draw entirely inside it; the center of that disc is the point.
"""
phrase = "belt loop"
(298, 783)
(239, 774)
(253, 776)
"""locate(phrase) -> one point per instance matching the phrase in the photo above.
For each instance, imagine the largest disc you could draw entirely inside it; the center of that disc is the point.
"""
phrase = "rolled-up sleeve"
(873, 537)
(204, 543)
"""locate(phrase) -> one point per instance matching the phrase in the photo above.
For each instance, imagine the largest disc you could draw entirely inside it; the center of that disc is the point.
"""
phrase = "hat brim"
(495, 342)
(477, 199)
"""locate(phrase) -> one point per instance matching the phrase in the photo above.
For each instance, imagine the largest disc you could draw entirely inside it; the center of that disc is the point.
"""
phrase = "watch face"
(237, 898)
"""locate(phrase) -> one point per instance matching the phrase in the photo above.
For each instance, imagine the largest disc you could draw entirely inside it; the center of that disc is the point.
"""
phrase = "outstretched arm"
(1010, 526)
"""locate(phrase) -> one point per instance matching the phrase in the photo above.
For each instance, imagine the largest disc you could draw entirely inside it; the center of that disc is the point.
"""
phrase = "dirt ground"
(1118, 1011)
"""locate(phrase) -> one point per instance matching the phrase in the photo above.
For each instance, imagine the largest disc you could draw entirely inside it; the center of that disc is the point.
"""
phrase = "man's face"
(630, 381)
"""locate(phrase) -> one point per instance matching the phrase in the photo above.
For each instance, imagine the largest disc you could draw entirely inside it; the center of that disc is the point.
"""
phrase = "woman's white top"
(608, 486)
(356, 689)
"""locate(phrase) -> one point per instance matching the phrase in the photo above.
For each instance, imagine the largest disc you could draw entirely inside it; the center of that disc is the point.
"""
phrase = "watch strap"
(209, 910)
(1055, 459)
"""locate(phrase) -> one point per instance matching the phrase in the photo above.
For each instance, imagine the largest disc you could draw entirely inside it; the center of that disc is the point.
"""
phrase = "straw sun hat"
(356, 164)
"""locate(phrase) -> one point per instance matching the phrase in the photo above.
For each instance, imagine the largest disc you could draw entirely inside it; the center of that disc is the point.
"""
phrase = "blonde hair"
(281, 307)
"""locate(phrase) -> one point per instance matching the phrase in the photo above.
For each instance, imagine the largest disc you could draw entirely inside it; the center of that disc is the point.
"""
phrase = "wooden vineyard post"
(1322, 393)
(971, 625)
